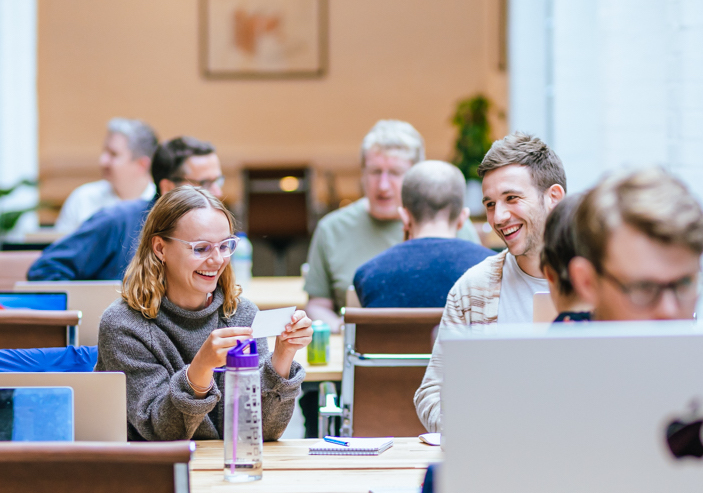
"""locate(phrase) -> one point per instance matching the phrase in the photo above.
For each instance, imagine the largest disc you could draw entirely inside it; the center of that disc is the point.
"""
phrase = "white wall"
(18, 103)
(626, 81)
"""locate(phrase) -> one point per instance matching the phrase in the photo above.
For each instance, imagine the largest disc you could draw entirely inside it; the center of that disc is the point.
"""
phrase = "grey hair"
(389, 135)
(432, 186)
(141, 138)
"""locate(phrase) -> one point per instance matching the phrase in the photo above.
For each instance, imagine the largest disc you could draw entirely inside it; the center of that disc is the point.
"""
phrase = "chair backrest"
(158, 467)
(100, 400)
(377, 387)
(90, 297)
(22, 329)
(14, 267)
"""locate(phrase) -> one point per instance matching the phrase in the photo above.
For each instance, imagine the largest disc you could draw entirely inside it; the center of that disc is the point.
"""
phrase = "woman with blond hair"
(180, 312)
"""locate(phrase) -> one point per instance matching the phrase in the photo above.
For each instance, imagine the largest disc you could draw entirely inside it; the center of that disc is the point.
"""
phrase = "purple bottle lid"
(237, 358)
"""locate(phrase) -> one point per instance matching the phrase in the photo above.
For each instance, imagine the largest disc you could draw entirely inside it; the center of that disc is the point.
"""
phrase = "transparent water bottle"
(242, 261)
(243, 436)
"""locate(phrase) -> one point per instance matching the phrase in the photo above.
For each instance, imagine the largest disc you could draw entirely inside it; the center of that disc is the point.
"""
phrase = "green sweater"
(153, 354)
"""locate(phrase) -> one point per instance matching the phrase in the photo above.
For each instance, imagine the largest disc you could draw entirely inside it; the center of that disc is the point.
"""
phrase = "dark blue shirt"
(416, 273)
(100, 249)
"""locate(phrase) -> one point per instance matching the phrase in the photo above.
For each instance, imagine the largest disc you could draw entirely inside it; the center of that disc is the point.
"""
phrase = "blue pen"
(336, 441)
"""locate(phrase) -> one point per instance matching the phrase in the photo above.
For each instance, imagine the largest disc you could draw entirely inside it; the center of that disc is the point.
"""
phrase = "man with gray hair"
(125, 164)
(420, 271)
(348, 237)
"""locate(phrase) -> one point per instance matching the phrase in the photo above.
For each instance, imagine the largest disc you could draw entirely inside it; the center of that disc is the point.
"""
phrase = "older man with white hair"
(125, 165)
(353, 235)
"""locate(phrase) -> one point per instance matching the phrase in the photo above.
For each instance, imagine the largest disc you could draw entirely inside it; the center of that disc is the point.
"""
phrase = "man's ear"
(166, 185)
(407, 219)
(144, 163)
(584, 279)
(463, 216)
(553, 196)
(157, 245)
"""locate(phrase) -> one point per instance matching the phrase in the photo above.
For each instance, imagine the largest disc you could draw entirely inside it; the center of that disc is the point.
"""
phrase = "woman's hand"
(297, 335)
(213, 353)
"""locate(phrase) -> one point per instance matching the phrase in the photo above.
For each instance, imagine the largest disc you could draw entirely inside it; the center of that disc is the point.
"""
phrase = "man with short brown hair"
(639, 242)
(523, 179)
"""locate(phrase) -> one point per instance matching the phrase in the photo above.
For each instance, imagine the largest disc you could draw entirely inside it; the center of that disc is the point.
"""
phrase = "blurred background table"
(276, 292)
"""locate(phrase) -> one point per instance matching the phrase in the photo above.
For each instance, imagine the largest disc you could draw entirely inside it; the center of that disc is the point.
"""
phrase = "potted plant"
(472, 142)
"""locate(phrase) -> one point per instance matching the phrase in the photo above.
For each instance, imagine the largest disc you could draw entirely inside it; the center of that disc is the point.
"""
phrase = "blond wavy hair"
(144, 284)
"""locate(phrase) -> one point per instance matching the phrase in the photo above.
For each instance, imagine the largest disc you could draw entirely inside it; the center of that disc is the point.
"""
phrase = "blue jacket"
(416, 273)
(100, 249)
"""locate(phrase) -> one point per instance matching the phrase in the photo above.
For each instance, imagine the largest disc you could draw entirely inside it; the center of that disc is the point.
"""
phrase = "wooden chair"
(79, 467)
(14, 267)
(386, 351)
(23, 329)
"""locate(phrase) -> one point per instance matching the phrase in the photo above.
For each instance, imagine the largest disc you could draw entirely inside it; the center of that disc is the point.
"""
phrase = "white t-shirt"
(88, 199)
(516, 292)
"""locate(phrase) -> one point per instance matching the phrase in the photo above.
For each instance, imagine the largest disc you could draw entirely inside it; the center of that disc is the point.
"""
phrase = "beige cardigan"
(472, 305)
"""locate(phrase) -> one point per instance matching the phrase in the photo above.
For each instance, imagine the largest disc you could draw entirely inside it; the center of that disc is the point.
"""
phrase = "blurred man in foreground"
(639, 243)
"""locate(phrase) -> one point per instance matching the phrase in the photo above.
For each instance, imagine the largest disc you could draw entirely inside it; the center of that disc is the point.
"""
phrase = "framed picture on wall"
(257, 39)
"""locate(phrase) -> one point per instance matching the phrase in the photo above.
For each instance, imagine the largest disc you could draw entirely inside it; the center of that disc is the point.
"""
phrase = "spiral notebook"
(357, 446)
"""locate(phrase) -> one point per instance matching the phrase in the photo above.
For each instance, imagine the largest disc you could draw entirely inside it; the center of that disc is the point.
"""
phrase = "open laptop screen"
(34, 301)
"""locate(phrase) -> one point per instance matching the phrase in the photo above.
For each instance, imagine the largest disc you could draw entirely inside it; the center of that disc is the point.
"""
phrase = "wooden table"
(276, 292)
(288, 468)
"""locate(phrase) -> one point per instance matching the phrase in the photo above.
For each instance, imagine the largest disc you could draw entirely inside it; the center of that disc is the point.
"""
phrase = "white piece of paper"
(269, 323)
(431, 438)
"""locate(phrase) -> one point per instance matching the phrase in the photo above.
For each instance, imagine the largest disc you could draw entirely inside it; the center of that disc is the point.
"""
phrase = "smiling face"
(516, 209)
(382, 180)
(190, 279)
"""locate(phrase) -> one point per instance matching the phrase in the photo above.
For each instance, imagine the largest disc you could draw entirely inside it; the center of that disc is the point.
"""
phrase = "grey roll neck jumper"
(153, 354)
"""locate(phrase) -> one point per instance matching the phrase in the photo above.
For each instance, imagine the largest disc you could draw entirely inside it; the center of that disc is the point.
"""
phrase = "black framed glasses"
(203, 249)
(206, 184)
(649, 293)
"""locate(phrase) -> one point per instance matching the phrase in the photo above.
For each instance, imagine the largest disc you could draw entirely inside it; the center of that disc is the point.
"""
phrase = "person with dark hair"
(559, 248)
(102, 246)
(125, 162)
(523, 180)
(420, 271)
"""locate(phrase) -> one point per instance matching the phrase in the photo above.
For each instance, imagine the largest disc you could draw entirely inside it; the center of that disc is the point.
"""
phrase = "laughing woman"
(180, 313)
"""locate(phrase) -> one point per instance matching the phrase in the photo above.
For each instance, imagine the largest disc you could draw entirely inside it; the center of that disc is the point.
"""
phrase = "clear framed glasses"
(206, 184)
(204, 249)
(648, 293)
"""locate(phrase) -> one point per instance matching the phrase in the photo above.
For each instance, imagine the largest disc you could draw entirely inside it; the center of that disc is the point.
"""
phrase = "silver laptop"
(90, 297)
(100, 400)
(582, 408)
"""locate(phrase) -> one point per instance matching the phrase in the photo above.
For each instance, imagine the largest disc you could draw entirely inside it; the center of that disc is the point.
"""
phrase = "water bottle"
(242, 435)
(241, 261)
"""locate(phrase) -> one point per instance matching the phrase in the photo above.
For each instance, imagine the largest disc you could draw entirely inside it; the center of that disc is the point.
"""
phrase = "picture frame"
(263, 39)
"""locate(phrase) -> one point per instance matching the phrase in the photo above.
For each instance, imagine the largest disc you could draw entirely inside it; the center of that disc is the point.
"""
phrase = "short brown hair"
(432, 186)
(145, 279)
(650, 201)
(545, 166)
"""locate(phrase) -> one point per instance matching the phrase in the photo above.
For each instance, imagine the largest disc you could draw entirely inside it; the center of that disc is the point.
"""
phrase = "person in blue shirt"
(420, 271)
(102, 247)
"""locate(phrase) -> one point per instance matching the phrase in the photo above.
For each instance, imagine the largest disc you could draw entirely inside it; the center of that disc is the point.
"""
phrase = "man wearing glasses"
(104, 244)
(639, 239)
